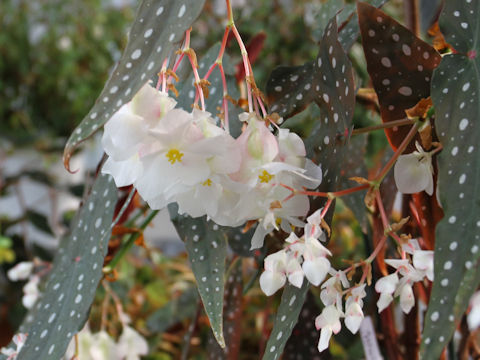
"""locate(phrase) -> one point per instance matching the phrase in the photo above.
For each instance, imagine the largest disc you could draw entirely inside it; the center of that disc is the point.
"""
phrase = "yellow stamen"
(207, 182)
(173, 155)
(265, 177)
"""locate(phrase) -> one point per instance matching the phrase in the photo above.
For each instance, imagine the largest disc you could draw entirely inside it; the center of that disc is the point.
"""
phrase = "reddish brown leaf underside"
(400, 66)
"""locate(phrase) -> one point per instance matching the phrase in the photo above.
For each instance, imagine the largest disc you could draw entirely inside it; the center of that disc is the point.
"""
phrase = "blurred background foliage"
(55, 56)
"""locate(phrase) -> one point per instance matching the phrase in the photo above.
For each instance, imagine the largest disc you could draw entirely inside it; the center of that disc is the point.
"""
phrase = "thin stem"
(225, 96)
(326, 207)
(129, 243)
(411, 134)
(375, 252)
(246, 65)
(386, 125)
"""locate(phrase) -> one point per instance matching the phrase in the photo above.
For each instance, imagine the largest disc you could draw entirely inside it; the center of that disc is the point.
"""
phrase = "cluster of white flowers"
(303, 257)
(101, 346)
(171, 155)
(307, 257)
(19, 340)
(391, 285)
(331, 295)
(23, 271)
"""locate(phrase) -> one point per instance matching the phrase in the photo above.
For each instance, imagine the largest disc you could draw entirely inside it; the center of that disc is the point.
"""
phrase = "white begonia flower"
(180, 159)
(423, 261)
(21, 271)
(315, 264)
(19, 340)
(103, 347)
(126, 138)
(273, 278)
(414, 172)
(31, 292)
(279, 267)
(131, 344)
(407, 299)
(386, 287)
(473, 317)
(331, 293)
(329, 322)
(353, 309)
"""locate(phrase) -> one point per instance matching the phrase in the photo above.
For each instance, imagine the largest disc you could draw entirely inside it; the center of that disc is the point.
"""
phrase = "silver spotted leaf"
(175, 311)
(327, 81)
(303, 342)
(456, 98)
(291, 303)
(207, 248)
(232, 321)
(346, 17)
(63, 307)
(158, 29)
(354, 166)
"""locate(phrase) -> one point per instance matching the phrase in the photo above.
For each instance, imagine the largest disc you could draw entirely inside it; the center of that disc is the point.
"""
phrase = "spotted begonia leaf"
(232, 321)
(346, 17)
(327, 81)
(400, 66)
(158, 29)
(303, 342)
(291, 303)
(69, 291)
(175, 311)
(456, 98)
(354, 166)
(207, 249)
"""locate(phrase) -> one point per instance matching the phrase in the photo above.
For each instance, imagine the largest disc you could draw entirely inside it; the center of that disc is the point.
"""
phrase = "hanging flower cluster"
(391, 285)
(171, 155)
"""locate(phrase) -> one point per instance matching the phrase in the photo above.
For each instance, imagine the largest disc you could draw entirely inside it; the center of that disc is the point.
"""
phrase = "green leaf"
(354, 166)
(327, 81)
(207, 249)
(346, 17)
(292, 301)
(77, 269)
(456, 98)
(175, 311)
(158, 29)
(303, 342)
(232, 322)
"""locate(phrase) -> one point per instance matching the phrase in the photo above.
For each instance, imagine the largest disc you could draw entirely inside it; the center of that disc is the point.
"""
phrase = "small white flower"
(407, 299)
(423, 261)
(329, 322)
(473, 317)
(414, 172)
(131, 344)
(21, 271)
(315, 264)
(331, 293)
(386, 287)
(353, 309)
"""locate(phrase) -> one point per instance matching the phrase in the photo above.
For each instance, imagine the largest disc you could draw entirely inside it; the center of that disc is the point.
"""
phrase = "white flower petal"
(315, 270)
(271, 281)
(384, 300)
(412, 175)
